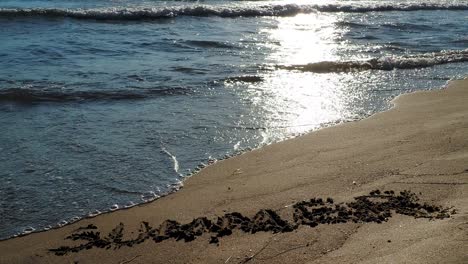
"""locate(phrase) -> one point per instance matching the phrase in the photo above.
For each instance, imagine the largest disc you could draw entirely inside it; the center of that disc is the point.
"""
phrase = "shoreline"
(342, 165)
(179, 184)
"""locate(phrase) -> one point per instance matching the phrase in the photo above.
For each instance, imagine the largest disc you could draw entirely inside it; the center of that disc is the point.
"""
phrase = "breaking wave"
(384, 63)
(148, 13)
(29, 95)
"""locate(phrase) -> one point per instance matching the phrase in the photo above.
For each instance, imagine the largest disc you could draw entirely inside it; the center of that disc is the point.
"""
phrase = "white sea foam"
(94, 213)
(149, 196)
(129, 204)
(174, 160)
(75, 219)
(142, 13)
(28, 230)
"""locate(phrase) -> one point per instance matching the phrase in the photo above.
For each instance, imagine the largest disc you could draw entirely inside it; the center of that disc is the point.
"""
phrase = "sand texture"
(248, 209)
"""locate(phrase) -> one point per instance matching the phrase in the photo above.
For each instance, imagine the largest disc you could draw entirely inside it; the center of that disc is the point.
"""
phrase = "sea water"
(107, 104)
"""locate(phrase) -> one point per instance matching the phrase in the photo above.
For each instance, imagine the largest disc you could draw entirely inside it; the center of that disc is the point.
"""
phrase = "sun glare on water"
(294, 102)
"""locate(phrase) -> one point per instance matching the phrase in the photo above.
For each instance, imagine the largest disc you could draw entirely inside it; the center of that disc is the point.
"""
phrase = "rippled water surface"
(104, 104)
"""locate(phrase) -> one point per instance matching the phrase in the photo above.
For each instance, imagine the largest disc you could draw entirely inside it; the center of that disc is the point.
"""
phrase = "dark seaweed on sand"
(377, 207)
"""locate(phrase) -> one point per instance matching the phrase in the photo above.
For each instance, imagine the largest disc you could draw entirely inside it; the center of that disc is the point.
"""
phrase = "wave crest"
(145, 13)
(384, 63)
(30, 95)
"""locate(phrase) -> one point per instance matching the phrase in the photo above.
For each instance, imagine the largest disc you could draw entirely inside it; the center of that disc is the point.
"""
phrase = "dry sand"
(420, 145)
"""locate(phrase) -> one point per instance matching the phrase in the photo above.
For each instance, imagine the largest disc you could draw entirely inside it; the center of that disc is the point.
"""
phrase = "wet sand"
(420, 145)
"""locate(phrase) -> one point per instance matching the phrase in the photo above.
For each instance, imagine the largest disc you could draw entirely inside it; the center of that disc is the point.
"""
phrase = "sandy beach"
(420, 145)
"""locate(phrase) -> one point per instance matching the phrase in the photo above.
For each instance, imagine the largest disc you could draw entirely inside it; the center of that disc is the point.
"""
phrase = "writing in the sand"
(377, 207)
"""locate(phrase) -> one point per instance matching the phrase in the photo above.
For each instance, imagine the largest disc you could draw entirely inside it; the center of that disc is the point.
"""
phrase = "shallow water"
(112, 103)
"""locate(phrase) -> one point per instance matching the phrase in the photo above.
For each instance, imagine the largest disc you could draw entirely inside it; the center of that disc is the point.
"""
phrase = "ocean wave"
(148, 13)
(30, 95)
(158, 13)
(388, 7)
(384, 63)
(346, 24)
(396, 26)
(209, 44)
(406, 26)
(244, 79)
